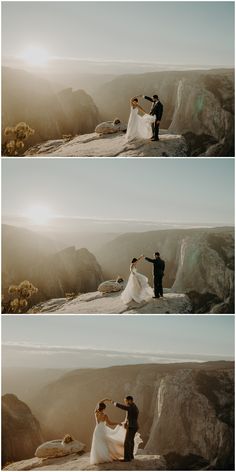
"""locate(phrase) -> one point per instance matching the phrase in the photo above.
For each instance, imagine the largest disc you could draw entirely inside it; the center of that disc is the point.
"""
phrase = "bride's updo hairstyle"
(100, 406)
(134, 260)
(133, 100)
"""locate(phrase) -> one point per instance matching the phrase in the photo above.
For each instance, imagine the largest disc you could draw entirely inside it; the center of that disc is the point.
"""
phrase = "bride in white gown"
(108, 443)
(139, 127)
(137, 288)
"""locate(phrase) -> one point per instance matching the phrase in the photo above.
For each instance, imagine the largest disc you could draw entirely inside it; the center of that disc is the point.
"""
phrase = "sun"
(39, 215)
(35, 56)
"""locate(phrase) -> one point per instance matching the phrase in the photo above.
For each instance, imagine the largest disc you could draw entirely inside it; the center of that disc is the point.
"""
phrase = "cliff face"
(199, 263)
(192, 416)
(21, 433)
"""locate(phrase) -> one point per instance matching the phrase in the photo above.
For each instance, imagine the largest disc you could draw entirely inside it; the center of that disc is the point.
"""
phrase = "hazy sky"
(171, 190)
(163, 32)
(49, 336)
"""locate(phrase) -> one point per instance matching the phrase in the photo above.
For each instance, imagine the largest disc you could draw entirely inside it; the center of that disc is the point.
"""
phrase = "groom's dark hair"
(155, 97)
(129, 398)
(157, 254)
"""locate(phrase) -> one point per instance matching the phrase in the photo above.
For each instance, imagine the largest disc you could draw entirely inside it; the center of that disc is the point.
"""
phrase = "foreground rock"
(21, 433)
(111, 303)
(58, 448)
(73, 462)
(93, 145)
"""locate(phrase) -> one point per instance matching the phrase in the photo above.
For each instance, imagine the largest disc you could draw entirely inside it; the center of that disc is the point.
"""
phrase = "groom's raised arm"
(149, 260)
(148, 98)
(121, 406)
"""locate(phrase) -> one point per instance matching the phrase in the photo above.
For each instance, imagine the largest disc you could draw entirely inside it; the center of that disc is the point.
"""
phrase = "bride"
(139, 127)
(137, 287)
(108, 443)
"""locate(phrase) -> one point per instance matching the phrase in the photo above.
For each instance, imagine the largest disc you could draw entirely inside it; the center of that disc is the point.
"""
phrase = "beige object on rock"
(110, 286)
(58, 448)
(108, 127)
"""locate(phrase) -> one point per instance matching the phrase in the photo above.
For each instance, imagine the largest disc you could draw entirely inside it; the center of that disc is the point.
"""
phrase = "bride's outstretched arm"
(141, 109)
(140, 257)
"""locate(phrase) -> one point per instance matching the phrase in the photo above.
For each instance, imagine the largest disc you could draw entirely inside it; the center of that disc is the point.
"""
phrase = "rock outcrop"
(112, 145)
(73, 462)
(21, 432)
(108, 303)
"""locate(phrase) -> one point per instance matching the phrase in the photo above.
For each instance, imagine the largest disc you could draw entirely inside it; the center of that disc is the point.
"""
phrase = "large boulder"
(58, 448)
(21, 433)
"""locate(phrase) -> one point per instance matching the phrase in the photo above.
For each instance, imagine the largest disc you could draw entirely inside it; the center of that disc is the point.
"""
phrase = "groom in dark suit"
(131, 425)
(158, 273)
(156, 109)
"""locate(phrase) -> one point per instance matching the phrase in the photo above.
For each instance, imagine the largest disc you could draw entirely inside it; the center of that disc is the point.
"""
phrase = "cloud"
(115, 355)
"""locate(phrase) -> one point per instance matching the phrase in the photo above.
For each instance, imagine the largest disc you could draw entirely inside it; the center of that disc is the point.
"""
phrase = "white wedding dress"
(108, 443)
(139, 127)
(137, 288)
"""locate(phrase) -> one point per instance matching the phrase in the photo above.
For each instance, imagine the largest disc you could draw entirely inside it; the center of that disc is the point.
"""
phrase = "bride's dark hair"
(134, 260)
(100, 406)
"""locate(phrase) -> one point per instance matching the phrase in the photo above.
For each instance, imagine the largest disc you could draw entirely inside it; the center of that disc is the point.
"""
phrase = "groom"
(131, 425)
(158, 274)
(157, 110)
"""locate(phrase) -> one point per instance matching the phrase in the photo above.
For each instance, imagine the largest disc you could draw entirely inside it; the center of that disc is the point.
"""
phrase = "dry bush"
(18, 297)
(14, 144)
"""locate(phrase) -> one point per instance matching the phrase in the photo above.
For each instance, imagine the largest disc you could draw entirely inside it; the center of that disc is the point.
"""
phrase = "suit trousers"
(155, 130)
(129, 444)
(157, 282)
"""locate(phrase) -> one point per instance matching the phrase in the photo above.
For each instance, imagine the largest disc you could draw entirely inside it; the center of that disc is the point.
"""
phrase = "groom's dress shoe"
(155, 297)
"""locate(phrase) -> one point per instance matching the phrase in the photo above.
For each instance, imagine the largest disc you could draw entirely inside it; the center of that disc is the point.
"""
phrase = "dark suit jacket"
(158, 266)
(157, 108)
(132, 414)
